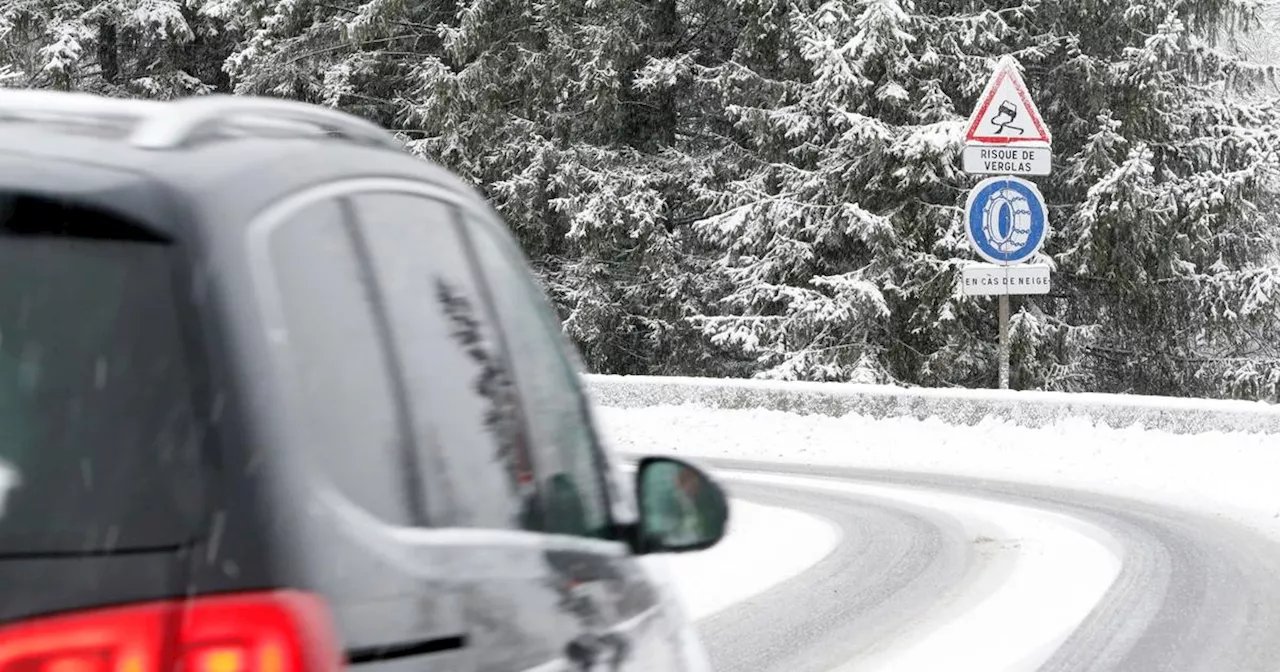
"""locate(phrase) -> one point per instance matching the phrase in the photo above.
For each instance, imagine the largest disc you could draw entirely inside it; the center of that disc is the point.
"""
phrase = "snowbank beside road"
(1237, 474)
(955, 406)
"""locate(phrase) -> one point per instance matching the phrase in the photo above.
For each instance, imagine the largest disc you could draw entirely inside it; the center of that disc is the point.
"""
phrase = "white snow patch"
(764, 546)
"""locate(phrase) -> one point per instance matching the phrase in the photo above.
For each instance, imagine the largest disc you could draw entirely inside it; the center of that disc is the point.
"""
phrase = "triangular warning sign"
(1005, 113)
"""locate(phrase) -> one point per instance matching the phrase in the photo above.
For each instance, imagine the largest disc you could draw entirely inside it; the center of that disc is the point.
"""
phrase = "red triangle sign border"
(1005, 70)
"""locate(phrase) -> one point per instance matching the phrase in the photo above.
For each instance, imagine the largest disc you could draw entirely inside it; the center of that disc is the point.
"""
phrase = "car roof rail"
(174, 123)
(170, 124)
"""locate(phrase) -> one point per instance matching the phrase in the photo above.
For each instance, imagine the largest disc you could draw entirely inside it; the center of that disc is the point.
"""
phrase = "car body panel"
(404, 597)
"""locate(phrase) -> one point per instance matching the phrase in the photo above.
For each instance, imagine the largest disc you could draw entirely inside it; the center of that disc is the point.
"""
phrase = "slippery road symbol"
(1004, 118)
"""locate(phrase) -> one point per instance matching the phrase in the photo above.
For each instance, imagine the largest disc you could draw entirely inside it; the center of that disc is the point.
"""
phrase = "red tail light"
(282, 631)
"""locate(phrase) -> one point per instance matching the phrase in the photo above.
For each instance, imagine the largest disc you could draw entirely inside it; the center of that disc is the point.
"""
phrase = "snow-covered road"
(781, 542)
(1016, 573)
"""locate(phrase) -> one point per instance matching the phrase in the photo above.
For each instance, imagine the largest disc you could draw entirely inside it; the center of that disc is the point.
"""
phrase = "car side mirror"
(681, 508)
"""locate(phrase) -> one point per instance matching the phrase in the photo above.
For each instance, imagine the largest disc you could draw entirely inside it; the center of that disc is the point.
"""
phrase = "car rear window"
(98, 444)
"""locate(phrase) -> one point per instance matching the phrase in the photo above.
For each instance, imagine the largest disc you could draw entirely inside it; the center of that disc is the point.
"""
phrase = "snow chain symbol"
(1006, 219)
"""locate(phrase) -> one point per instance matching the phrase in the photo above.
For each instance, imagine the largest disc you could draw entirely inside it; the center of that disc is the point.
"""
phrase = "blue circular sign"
(1005, 219)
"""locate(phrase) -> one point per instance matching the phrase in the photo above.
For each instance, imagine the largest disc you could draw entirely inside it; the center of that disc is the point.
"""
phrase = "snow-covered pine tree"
(770, 188)
(1170, 250)
(776, 221)
(135, 48)
(839, 234)
(578, 119)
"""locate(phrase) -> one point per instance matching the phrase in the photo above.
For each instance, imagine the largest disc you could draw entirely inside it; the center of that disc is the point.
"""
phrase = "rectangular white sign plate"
(1007, 159)
(993, 280)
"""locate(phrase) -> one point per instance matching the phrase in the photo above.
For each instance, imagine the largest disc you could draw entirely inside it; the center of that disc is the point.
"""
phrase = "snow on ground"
(1234, 474)
(780, 542)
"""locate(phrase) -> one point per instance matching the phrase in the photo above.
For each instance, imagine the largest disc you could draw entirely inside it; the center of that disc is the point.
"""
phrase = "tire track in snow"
(1195, 592)
(847, 602)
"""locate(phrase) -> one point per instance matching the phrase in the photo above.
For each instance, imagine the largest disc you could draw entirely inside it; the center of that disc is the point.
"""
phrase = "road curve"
(1195, 593)
(886, 556)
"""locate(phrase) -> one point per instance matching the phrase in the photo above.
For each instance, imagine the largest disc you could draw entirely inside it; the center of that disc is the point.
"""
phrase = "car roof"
(124, 156)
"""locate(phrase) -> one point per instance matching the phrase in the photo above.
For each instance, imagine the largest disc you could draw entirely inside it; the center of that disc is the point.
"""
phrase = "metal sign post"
(1004, 341)
(1005, 217)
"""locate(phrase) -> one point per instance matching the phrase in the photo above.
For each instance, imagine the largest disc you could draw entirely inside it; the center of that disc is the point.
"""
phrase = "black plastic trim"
(373, 654)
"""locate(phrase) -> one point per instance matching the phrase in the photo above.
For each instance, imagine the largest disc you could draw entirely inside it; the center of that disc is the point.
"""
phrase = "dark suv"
(276, 396)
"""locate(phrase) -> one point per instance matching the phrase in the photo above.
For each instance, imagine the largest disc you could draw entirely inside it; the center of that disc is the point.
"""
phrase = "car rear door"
(479, 491)
(396, 602)
(101, 451)
(513, 481)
